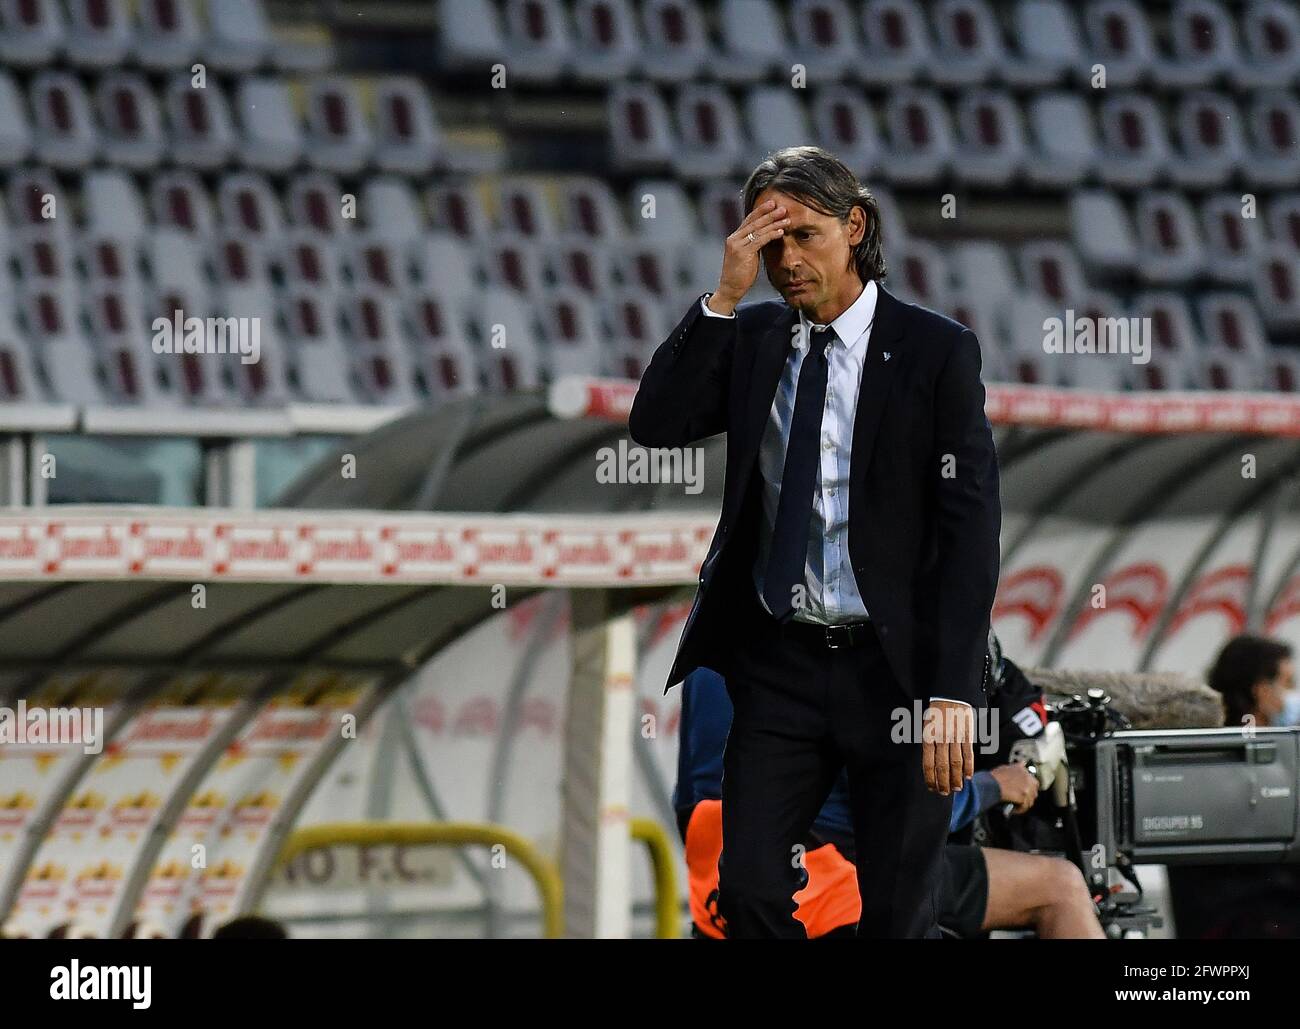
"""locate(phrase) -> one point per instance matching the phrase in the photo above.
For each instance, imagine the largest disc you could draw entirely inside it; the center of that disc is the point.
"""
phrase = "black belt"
(830, 637)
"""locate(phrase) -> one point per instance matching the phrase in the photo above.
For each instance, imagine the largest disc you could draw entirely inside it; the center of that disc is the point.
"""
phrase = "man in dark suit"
(856, 557)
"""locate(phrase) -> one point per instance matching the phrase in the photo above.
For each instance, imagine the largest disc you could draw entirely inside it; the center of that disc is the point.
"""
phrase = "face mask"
(1290, 709)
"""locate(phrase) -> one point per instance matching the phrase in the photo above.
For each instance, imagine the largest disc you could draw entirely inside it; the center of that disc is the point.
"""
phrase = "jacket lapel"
(769, 361)
(877, 376)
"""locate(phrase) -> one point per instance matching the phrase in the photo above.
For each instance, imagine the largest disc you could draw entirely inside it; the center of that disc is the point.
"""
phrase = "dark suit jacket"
(923, 531)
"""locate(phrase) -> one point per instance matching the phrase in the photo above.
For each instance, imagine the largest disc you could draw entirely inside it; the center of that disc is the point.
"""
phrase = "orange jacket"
(829, 901)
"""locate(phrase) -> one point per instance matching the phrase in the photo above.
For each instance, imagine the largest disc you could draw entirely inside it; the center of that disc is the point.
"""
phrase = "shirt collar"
(854, 319)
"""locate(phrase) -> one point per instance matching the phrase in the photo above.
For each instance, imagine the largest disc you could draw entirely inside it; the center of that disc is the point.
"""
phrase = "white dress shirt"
(830, 588)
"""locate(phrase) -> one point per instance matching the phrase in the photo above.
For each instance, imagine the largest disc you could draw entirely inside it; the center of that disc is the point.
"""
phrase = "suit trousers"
(801, 713)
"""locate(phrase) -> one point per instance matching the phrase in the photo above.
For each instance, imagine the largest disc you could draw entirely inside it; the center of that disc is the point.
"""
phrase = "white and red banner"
(1266, 414)
(198, 545)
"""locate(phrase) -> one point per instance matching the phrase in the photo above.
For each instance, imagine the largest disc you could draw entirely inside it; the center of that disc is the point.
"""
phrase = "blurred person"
(981, 889)
(1256, 677)
(855, 561)
(251, 927)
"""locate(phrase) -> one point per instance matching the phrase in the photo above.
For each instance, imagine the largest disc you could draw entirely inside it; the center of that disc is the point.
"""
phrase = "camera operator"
(1245, 901)
(982, 888)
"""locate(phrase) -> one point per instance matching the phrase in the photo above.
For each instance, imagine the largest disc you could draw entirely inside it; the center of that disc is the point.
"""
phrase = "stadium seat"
(315, 200)
(583, 264)
(1103, 233)
(241, 260)
(376, 262)
(28, 190)
(1231, 240)
(639, 132)
(43, 252)
(701, 260)
(65, 131)
(1134, 143)
(919, 273)
(132, 134)
(608, 44)
(652, 266)
(111, 203)
(1023, 319)
(979, 313)
(1276, 286)
(661, 208)
(271, 135)
(338, 135)
(753, 42)
(775, 117)
(98, 33)
(443, 263)
(589, 208)
(238, 38)
(898, 45)
(20, 381)
(1284, 220)
(15, 129)
(176, 261)
(824, 39)
(444, 363)
(470, 36)
(202, 129)
(59, 346)
(390, 208)
(180, 200)
(1270, 37)
(125, 355)
(1281, 370)
(384, 365)
(674, 46)
(1226, 370)
(1168, 237)
(1051, 269)
(990, 148)
(1176, 344)
(636, 321)
(536, 39)
(107, 257)
(920, 147)
(523, 208)
(31, 33)
(515, 263)
(266, 381)
(1203, 45)
(1049, 45)
(309, 258)
(968, 43)
(1064, 141)
(247, 202)
(845, 124)
(709, 143)
(1210, 142)
(458, 208)
(1229, 321)
(983, 269)
(1119, 39)
(407, 136)
(167, 35)
(574, 336)
(507, 343)
(320, 367)
(1274, 129)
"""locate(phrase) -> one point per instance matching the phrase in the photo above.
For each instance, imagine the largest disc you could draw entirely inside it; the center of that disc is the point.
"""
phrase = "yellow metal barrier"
(667, 912)
(414, 834)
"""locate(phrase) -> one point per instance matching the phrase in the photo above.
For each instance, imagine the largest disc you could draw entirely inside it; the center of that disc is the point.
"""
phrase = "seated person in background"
(1245, 901)
(984, 888)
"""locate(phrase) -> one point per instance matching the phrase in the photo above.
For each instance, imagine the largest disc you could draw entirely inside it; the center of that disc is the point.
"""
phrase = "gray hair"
(818, 178)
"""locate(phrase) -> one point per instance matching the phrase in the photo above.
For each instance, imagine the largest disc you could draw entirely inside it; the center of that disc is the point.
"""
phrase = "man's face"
(811, 264)
(1270, 695)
